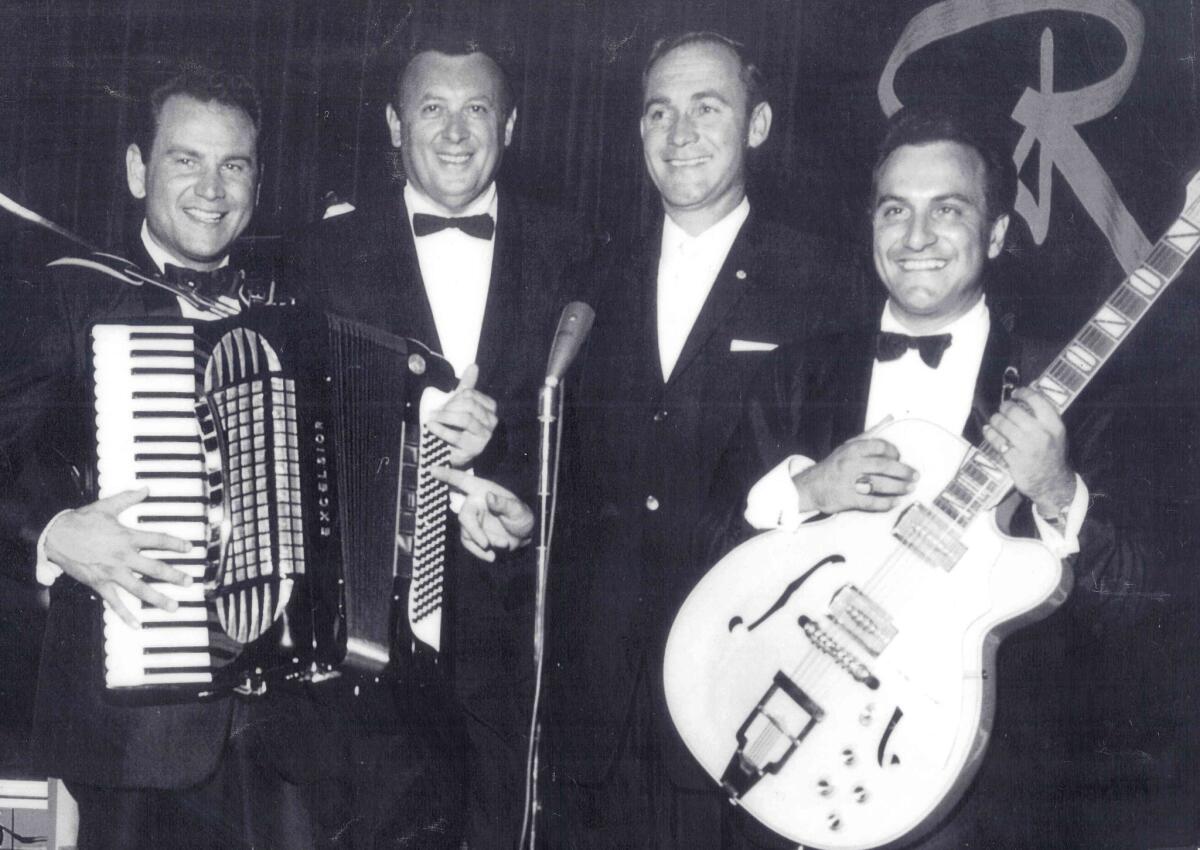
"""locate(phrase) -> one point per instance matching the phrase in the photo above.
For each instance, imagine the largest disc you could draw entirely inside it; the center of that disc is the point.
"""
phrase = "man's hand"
(466, 421)
(91, 546)
(1030, 435)
(491, 517)
(862, 474)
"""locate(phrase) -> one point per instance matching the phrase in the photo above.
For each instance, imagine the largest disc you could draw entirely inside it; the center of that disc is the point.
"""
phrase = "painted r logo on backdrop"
(1049, 117)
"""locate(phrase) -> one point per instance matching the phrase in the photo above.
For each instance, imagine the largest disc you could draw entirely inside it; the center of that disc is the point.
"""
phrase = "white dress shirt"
(687, 269)
(457, 271)
(907, 388)
(48, 571)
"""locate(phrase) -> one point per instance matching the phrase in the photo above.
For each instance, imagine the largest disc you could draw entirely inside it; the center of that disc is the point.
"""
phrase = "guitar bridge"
(770, 734)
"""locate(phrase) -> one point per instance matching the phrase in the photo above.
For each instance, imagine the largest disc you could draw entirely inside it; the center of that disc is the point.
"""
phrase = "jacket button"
(660, 415)
(651, 503)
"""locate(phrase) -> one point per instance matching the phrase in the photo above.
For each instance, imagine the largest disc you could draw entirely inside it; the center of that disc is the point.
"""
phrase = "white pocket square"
(751, 345)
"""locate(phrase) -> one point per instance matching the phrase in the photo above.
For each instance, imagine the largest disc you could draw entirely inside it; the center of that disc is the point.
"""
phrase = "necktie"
(210, 284)
(890, 346)
(479, 226)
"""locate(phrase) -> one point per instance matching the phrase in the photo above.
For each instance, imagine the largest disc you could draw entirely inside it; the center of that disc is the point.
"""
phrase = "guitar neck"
(1083, 357)
(983, 479)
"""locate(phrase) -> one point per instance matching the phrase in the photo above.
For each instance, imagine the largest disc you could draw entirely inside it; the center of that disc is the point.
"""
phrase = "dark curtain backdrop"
(70, 69)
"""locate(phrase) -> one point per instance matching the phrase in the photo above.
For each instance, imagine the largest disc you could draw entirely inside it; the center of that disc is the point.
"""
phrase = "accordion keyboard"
(147, 436)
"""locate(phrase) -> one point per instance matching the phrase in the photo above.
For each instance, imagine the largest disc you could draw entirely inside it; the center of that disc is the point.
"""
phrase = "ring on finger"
(862, 485)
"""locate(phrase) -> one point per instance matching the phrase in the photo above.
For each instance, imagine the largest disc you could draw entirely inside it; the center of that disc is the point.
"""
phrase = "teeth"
(207, 217)
(922, 265)
(454, 159)
(687, 163)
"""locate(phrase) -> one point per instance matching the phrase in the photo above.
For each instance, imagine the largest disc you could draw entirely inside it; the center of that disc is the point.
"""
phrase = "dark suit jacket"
(77, 733)
(364, 265)
(639, 462)
(812, 399)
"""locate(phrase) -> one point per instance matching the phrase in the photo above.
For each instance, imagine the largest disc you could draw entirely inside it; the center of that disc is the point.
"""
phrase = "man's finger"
(482, 554)
(108, 592)
(458, 479)
(475, 398)
(151, 568)
(145, 592)
(882, 485)
(464, 420)
(119, 502)
(886, 468)
(469, 376)
(160, 541)
(451, 436)
(1042, 409)
(875, 447)
(513, 514)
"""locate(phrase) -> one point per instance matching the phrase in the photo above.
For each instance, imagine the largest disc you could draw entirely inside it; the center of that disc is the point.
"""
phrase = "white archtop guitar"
(837, 680)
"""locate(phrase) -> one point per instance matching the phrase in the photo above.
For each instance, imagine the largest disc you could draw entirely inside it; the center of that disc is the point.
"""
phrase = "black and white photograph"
(599, 425)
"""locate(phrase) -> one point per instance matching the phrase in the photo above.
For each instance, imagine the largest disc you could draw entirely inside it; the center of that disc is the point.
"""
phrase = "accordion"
(286, 447)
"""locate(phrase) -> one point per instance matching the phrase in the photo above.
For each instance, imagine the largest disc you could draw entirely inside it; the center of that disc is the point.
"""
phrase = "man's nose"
(211, 184)
(683, 131)
(456, 127)
(919, 234)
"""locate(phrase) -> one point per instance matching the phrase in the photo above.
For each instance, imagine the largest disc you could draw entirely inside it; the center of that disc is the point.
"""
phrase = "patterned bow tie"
(479, 226)
(890, 346)
(209, 284)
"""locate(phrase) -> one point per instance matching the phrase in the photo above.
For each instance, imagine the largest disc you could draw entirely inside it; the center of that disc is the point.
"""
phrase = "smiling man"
(480, 274)
(939, 216)
(155, 775)
(686, 316)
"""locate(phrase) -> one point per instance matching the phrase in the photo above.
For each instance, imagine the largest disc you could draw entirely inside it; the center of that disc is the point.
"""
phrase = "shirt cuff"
(47, 570)
(1062, 538)
(773, 502)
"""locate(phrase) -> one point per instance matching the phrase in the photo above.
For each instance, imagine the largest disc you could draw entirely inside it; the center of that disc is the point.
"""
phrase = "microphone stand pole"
(549, 415)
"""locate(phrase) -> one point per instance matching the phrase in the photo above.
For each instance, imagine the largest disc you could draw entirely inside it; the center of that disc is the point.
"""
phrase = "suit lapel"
(504, 309)
(733, 281)
(854, 367)
(410, 303)
(998, 355)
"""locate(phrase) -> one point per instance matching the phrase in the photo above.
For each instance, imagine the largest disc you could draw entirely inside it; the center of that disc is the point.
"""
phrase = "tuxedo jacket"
(78, 734)
(363, 265)
(812, 399)
(639, 461)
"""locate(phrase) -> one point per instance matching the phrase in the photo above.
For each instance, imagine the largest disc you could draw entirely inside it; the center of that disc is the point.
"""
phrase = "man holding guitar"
(939, 213)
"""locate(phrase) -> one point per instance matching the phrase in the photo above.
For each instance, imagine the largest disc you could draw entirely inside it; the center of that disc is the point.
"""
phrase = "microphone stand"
(550, 403)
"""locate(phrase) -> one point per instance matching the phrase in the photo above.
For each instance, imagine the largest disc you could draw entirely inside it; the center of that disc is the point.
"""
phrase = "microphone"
(573, 328)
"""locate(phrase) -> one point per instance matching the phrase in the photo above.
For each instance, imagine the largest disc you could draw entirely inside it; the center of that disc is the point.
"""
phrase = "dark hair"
(453, 43)
(923, 124)
(751, 76)
(205, 85)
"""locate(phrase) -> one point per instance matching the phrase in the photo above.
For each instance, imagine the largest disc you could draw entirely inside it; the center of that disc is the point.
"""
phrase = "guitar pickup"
(770, 734)
(862, 619)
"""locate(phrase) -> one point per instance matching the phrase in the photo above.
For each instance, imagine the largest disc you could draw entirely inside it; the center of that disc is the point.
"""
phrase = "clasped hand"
(466, 421)
(93, 547)
(1032, 439)
(863, 474)
(491, 518)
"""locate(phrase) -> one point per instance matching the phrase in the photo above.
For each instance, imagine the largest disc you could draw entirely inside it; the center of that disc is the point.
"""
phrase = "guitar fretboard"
(982, 480)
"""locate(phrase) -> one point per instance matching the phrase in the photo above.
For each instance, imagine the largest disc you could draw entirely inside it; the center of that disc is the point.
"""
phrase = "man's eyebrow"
(180, 149)
(710, 93)
(658, 100)
(956, 196)
(889, 199)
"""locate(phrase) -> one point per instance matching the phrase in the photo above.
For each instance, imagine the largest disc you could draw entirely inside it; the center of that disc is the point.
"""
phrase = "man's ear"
(996, 237)
(509, 125)
(395, 128)
(135, 171)
(760, 125)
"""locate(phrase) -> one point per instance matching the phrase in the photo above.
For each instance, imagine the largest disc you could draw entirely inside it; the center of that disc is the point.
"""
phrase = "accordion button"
(651, 503)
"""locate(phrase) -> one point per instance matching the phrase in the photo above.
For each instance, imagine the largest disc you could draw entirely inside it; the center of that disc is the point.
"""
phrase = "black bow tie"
(479, 226)
(890, 346)
(209, 284)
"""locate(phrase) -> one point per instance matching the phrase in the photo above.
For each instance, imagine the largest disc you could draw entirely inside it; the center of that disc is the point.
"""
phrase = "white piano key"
(176, 659)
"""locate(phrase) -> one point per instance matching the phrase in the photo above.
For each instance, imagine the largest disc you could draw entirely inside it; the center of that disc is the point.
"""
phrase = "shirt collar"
(722, 232)
(976, 322)
(418, 202)
(161, 256)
